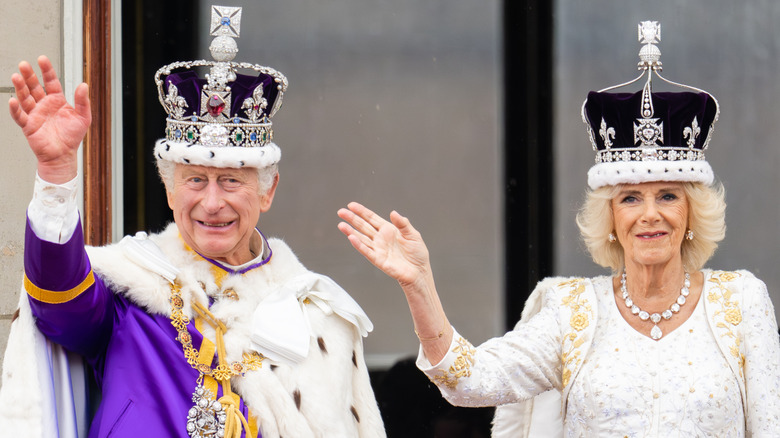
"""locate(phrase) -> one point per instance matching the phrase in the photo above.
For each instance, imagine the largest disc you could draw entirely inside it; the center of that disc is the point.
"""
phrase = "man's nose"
(213, 199)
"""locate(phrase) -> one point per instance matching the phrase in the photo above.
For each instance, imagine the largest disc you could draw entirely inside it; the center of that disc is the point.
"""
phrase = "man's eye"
(231, 182)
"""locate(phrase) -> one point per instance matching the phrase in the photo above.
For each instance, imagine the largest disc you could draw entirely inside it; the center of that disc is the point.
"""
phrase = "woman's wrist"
(426, 338)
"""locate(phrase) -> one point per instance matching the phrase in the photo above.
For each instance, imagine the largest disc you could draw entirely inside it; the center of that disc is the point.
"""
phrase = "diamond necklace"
(656, 332)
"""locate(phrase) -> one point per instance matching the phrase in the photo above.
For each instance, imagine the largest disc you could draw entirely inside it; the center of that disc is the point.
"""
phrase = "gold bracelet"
(441, 333)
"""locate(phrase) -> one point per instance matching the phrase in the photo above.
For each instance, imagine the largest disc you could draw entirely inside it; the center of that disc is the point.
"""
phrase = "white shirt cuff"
(53, 211)
(426, 366)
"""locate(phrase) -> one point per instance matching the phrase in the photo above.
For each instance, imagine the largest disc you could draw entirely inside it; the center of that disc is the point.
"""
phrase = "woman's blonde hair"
(706, 218)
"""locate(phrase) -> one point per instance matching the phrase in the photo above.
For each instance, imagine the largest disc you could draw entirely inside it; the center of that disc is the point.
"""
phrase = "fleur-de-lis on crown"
(607, 133)
(175, 103)
(691, 132)
(209, 113)
(255, 106)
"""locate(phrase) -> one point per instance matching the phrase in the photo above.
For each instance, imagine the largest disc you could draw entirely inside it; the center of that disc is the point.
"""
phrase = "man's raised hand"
(53, 128)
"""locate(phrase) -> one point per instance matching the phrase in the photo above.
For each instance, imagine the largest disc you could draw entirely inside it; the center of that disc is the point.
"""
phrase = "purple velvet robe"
(145, 381)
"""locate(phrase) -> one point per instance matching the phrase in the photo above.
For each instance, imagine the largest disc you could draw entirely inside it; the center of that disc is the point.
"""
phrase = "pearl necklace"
(656, 332)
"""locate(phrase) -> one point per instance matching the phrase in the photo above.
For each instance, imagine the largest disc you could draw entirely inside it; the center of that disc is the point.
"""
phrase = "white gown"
(627, 384)
(679, 386)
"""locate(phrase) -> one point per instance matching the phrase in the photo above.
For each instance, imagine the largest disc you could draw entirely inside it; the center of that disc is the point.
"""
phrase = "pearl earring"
(612, 238)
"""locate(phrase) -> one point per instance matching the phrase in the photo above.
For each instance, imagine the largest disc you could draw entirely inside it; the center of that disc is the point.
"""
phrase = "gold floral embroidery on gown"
(581, 315)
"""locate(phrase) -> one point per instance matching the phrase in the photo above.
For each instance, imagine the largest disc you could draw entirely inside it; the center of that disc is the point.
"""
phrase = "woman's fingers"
(374, 220)
(364, 230)
(347, 228)
(362, 219)
(404, 225)
(354, 223)
(359, 241)
(369, 224)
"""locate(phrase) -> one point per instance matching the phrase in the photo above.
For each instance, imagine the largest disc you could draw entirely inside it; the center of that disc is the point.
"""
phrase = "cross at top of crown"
(225, 21)
(225, 25)
(649, 32)
(649, 35)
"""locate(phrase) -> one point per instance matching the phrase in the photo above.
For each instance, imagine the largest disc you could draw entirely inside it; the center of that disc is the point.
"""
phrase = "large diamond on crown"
(648, 132)
(649, 154)
(214, 134)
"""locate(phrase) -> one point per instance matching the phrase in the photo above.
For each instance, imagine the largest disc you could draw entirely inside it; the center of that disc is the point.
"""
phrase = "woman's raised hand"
(53, 128)
(395, 247)
(398, 250)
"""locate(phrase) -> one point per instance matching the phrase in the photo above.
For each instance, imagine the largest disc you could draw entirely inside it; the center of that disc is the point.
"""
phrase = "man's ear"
(169, 194)
(268, 198)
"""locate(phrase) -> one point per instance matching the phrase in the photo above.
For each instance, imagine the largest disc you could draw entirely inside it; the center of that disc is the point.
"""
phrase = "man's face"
(217, 209)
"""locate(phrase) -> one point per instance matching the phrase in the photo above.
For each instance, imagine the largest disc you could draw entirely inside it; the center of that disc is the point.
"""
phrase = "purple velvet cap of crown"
(190, 86)
(685, 120)
(675, 110)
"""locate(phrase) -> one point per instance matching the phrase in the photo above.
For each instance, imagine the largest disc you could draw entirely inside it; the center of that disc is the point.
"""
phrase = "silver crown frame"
(211, 124)
(647, 131)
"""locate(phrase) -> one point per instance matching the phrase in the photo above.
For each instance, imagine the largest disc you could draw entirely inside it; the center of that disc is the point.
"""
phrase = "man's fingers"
(50, 79)
(31, 80)
(23, 97)
(19, 116)
(24, 82)
(25, 69)
(36, 89)
(81, 101)
(37, 92)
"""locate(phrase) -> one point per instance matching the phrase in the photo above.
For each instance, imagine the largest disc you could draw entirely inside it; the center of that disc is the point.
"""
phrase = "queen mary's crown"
(223, 119)
(646, 136)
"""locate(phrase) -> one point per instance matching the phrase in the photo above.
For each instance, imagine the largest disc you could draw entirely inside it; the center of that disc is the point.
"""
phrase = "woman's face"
(650, 222)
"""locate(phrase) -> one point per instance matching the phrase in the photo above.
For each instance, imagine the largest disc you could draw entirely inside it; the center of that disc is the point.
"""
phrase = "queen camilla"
(661, 347)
